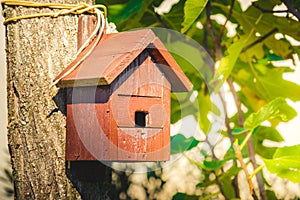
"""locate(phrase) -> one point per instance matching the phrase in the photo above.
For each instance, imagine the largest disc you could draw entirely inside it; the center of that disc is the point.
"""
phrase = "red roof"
(113, 55)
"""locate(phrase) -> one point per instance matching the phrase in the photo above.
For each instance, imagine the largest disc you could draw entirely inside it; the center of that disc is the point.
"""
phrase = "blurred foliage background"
(242, 47)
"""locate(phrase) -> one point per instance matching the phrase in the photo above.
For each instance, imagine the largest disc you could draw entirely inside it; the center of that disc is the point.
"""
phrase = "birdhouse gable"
(140, 87)
(114, 54)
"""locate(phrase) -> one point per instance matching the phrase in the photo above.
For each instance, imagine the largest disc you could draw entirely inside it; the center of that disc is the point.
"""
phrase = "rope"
(65, 10)
(100, 27)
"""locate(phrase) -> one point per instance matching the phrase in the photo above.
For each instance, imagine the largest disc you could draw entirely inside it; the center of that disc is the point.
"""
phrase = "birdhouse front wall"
(128, 120)
(141, 112)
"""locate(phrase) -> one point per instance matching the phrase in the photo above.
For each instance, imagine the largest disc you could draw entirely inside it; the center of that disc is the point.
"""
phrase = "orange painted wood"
(118, 100)
(99, 120)
(141, 80)
(86, 25)
(85, 140)
(88, 124)
(124, 108)
(140, 144)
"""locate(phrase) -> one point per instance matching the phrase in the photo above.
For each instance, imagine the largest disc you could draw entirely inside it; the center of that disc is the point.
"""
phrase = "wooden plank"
(124, 108)
(86, 25)
(113, 135)
(87, 132)
(141, 144)
(165, 151)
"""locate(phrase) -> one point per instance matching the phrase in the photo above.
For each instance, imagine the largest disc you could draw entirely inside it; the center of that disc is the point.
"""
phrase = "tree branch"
(237, 103)
(250, 145)
(161, 21)
(268, 11)
(218, 51)
(219, 184)
(227, 19)
(229, 131)
(218, 55)
(209, 24)
(274, 30)
(239, 156)
(205, 43)
(291, 9)
(227, 123)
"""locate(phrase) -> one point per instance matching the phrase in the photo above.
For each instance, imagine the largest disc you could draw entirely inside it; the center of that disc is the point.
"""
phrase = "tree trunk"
(37, 50)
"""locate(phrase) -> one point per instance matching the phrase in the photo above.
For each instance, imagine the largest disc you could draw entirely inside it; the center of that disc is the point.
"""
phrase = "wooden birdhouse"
(118, 99)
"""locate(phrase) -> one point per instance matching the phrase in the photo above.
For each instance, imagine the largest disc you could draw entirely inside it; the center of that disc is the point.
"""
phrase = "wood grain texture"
(88, 124)
(86, 25)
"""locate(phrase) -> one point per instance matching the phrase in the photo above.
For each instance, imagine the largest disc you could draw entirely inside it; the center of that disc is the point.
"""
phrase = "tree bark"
(37, 50)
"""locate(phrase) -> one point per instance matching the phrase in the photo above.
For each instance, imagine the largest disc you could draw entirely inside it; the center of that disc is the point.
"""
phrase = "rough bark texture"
(37, 50)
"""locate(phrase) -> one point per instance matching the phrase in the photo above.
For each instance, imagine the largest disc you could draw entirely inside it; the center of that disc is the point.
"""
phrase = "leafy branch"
(287, 3)
(291, 9)
(261, 39)
(227, 19)
(268, 11)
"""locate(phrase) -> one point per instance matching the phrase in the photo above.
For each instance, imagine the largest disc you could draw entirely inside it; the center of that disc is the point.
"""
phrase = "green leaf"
(181, 106)
(174, 18)
(263, 133)
(175, 109)
(239, 131)
(226, 64)
(274, 57)
(233, 171)
(273, 85)
(271, 195)
(226, 181)
(204, 108)
(262, 83)
(122, 12)
(206, 183)
(267, 133)
(192, 57)
(133, 14)
(268, 111)
(288, 151)
(214, 164)
(192, 10)
(184, 196)
(285, 163)
(179, 143)
(228, 188)
(111, 2)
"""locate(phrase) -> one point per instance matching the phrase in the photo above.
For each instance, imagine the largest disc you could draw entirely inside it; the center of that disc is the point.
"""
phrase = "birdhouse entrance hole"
(140, 118)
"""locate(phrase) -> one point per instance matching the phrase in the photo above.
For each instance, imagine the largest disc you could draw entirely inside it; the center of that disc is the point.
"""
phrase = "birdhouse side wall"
(88, 123)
